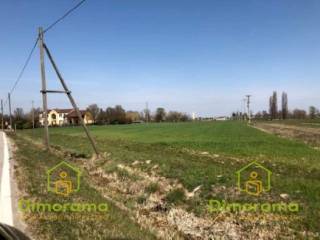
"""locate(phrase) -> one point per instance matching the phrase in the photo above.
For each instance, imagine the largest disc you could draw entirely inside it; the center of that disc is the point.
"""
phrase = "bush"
(176, 196)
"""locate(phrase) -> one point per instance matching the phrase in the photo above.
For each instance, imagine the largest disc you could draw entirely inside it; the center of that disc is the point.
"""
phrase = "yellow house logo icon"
(254, 179)
(63, 179)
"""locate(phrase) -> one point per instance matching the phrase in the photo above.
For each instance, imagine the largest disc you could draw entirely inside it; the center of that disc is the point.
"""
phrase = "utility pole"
(32, 115)
(248, 108)
(244, 109)
(147, 112)
(44, 90)
(2, 114)
(72, 101)
(10, 116)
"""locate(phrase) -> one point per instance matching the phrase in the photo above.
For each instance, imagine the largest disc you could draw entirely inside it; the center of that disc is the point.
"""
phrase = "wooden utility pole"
(248, 108)
(10, 116)
(2, 114)
(44, 90)
(32, 114)
(73, 103)
(147, 112)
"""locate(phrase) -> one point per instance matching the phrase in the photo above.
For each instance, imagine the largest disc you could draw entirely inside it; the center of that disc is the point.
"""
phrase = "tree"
(19, 118)
(173, 116)
(265, 115)
(109, 115)
(258, 115)
(313, 111)
(34, 113)
(147, 115)
(101, 119)
(273, 106)
(18, 114)
(120, 114)
(115, 115)
(185, 117)
(160, 115)
(132, 116)
(270, 107)
(299, 114)
(94, 110)
(284, 103)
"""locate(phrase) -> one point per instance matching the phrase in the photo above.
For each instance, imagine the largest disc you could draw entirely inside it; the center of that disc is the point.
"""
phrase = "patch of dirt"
(310, 136)
(175, 222)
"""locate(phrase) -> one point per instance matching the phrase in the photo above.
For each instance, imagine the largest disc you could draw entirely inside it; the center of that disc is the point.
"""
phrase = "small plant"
(176, 196)
(141, 199)
(123, 174)
(152, 188)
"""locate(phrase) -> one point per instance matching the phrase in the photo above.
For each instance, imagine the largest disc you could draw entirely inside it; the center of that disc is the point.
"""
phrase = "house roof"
(73, 113)
(65, 110)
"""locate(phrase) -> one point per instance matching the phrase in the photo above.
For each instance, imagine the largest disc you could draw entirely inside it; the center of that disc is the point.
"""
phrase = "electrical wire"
(23, 69)
(35, 44)
(63, 16)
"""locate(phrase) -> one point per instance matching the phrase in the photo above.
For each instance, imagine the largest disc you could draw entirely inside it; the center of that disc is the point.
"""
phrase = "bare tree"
(147, 115)
(101, 119)
(299, 114)
(284, 103)
(18, 114)
(94, 110)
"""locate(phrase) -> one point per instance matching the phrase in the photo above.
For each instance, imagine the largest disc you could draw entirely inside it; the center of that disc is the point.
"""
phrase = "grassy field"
(206, 154)
(33, 163)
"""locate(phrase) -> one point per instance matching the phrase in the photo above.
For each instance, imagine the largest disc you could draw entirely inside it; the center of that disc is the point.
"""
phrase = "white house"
(60, 117)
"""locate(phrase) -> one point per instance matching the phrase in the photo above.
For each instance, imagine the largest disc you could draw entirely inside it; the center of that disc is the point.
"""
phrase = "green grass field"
(185, 151)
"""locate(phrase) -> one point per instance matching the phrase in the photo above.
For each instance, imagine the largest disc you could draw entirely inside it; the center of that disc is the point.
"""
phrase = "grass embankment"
(208, 154)
(33, 163)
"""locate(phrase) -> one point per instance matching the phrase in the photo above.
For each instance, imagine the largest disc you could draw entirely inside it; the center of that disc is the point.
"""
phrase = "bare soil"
(310, 136)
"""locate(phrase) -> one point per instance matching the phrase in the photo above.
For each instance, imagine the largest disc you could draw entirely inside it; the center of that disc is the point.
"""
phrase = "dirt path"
(310, 136)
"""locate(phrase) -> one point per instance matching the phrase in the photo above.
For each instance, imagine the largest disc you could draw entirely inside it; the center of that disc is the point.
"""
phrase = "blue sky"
(192, 56)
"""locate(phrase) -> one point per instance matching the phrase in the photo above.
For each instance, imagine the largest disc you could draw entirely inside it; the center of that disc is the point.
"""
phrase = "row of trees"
(111, 115)
(21, 119)
(284, 113)
(117, 115)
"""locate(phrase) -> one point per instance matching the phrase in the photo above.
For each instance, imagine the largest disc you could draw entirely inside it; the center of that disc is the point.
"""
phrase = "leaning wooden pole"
(73, 103)
(10, 115)
(44, 91)
(2, 114)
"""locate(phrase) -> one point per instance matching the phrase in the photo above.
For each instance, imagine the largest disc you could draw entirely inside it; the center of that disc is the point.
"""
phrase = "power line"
(24, 66)
(23, 69)
(63, 16)
(35, 44)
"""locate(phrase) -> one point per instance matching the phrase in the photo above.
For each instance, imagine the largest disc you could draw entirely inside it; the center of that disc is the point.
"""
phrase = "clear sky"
(193, 56)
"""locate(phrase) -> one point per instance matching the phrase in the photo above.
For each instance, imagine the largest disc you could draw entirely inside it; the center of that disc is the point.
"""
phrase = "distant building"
(61, 117)
(221, 118)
